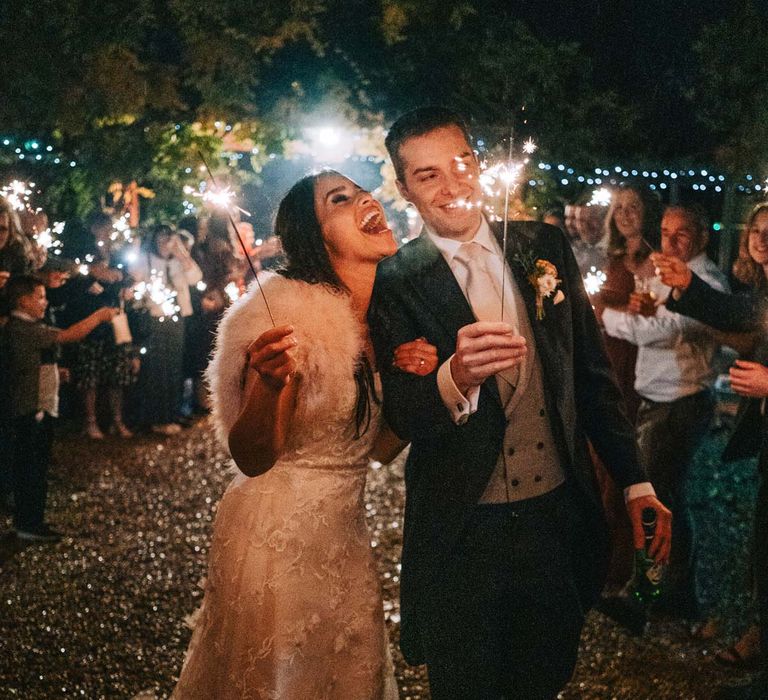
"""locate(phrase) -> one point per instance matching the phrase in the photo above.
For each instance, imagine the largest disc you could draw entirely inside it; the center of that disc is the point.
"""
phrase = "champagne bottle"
(646, 582)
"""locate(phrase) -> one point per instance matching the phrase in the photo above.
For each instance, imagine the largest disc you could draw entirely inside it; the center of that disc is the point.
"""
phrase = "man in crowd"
(591, 246)
(674, 378)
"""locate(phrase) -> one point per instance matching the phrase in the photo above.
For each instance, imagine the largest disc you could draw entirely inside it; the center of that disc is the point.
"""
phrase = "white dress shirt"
(675, 353)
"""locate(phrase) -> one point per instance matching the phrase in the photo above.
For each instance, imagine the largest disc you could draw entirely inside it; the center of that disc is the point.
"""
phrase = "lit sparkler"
(232, 291)
(594, 280)
(601, 197)
(221, 197)
(121, 230)
(155, 290)
(17, 194)
(49, 238)
(242, 243)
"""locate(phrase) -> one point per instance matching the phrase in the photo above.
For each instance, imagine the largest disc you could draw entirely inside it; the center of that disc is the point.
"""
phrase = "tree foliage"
(133, 89)
(731, 88)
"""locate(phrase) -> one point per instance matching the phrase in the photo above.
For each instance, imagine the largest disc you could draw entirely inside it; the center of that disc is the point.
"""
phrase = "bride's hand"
(272, 356)
(416, 357)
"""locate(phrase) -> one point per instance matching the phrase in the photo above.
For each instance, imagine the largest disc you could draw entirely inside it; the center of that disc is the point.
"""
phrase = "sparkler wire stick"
(506, 221)
(242, 244)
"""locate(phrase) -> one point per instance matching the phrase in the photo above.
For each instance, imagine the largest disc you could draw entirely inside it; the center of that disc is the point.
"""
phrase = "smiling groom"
(505, 543)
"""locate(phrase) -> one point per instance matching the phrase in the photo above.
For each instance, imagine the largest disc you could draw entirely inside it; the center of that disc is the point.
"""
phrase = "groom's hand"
(483, 349)
(662, 540)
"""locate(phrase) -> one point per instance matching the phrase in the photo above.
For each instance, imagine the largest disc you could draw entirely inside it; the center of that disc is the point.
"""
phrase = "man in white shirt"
(591, 247)
(504, 543)
(674, 377)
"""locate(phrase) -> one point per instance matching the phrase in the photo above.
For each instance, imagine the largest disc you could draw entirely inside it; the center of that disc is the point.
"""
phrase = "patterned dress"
(292, 604)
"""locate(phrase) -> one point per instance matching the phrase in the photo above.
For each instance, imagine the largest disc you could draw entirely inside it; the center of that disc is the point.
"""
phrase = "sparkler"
(240, 239)
(17, 194)
(156, 291)
(594, 280)
(216, 197)
(507, 182)
(601, 197)
(49, 238)
(232, 291)
(121, 230)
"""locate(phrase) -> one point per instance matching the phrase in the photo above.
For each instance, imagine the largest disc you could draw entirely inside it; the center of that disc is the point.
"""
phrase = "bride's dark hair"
(307, 259)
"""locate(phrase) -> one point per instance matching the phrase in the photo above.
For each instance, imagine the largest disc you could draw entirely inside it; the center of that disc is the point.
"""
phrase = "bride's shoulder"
(303, 305)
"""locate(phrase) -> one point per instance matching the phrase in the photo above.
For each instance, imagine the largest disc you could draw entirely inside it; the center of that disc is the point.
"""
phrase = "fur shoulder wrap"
(329, 345)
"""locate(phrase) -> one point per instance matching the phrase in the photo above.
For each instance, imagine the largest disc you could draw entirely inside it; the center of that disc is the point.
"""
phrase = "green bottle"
(646, 582)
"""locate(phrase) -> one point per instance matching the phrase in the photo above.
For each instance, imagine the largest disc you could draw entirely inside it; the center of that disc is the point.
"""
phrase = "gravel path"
(101, 614)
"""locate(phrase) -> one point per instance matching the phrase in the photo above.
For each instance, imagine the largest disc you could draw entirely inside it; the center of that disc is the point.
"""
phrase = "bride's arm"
(258, 436)
(387, 445)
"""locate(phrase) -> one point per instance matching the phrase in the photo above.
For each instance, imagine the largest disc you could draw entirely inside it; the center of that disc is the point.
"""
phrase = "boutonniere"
(542, 275)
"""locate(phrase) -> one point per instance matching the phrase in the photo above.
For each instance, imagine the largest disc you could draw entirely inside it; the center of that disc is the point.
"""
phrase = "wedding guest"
(675, 374)
(633, 225)
(693, 297)
(99, 364)
(591, 247)
(15, 254)
(570, 212)
(166, 265)
(33, 388)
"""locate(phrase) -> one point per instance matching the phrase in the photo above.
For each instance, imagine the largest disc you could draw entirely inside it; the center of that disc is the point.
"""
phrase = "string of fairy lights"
(701, 179)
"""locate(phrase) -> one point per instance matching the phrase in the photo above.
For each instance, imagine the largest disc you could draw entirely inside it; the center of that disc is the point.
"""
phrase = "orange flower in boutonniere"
(542, 275)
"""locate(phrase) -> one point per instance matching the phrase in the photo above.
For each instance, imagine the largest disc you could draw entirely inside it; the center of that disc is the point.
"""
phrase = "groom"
(504, 544)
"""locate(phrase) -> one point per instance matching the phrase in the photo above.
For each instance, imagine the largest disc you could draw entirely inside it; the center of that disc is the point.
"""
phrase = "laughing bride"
(292, 605)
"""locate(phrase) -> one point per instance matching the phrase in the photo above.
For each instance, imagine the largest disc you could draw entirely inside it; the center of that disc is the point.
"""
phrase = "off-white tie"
(483, 291)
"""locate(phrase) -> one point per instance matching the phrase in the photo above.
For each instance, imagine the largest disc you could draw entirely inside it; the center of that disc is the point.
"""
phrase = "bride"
(292, 605)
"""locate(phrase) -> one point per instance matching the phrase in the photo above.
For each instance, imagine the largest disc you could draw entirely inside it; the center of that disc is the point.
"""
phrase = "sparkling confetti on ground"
(101, 614)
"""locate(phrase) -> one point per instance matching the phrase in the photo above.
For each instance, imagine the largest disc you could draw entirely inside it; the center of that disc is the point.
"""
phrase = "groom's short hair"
(418, 122)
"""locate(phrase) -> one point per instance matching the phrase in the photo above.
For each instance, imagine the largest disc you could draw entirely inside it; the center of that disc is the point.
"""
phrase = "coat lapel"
(543, 330)
(442, 296)
(436, 283)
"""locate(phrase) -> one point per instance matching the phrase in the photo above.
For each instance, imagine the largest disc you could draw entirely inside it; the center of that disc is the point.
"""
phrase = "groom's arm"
(598, 398)
(413, 406)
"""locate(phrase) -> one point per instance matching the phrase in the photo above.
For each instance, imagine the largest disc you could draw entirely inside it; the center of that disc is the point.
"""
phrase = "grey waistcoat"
(529, 464)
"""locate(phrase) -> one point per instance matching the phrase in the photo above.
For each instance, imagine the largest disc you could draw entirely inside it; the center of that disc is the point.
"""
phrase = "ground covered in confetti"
(101, 614)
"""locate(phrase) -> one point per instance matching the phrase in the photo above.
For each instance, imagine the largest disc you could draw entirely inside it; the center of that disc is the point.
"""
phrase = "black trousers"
(668, 436)
(504, 620)
(31, 455)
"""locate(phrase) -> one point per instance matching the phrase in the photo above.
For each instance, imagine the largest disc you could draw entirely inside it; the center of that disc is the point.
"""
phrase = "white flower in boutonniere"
(542, 275)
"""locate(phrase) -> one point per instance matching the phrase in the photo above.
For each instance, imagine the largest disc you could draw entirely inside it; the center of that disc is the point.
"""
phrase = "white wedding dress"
(292, 607)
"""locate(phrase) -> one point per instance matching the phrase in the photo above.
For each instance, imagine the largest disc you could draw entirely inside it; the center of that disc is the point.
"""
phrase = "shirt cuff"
(459, 406)
(634, 491)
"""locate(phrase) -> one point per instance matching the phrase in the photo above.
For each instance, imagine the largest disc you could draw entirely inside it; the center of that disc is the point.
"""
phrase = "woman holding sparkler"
(634, 233)
(293, 605)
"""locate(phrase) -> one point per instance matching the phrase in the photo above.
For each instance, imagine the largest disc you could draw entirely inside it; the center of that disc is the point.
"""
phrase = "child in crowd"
(33, 389)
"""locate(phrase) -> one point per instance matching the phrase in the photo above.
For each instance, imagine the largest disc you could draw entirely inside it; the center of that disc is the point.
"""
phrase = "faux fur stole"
(329, 336)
